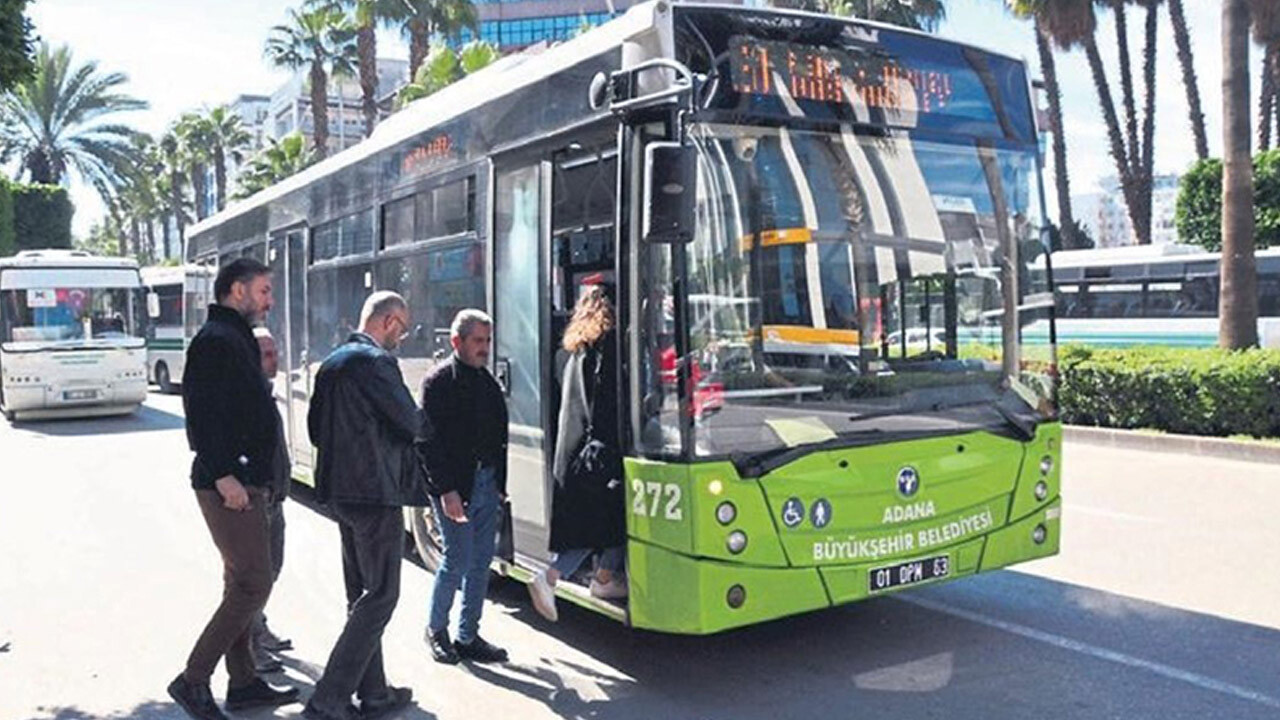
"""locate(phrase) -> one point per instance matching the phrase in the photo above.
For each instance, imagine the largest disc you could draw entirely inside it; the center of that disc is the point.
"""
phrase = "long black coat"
(588, 514)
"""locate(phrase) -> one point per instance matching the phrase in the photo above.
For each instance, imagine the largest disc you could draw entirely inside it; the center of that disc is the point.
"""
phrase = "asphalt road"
(1163, 604)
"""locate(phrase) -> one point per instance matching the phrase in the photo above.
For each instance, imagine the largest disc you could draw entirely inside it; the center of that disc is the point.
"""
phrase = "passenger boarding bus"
(1152, 295)
(71, 335)
(771, 195)
(177, 301)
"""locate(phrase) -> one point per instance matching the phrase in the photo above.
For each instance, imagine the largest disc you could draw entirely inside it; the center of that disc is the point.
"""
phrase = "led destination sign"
(775, 68)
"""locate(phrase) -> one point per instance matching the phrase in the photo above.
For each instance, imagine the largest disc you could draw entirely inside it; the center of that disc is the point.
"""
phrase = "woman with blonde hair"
(587, 513)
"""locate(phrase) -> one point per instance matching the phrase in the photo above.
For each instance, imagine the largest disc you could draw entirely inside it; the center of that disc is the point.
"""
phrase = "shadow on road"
(145, 419)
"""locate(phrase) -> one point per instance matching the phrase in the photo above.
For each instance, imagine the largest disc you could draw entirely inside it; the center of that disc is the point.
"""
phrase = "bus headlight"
(1046, 464)
(1042, 490)
(726, 513)
(1039, 535)
(737, 542)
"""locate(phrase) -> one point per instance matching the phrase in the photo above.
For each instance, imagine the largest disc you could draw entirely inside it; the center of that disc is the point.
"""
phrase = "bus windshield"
(836, 277)
(70, 313)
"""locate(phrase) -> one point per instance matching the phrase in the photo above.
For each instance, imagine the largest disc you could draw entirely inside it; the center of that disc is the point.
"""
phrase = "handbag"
(594, 462)
(506, 547)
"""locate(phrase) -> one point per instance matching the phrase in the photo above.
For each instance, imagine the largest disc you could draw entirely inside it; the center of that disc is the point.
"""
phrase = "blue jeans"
(468, 550)
(568, 562)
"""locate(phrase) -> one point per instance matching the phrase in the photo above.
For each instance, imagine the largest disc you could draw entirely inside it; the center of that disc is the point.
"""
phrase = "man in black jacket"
(363, 423)
(231, 426)
(466, 457)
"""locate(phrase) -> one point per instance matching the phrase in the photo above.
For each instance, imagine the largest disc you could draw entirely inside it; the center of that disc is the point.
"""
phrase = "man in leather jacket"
(364, 423)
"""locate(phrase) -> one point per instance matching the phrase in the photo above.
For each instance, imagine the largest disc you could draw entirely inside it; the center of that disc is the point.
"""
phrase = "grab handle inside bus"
(669, 188)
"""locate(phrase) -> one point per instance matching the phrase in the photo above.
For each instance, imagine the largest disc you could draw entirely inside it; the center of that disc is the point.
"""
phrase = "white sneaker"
(615, 589)
(543, 596)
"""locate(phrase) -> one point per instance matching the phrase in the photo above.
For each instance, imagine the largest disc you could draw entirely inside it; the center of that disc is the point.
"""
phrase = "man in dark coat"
(364, 423)
(231, 426)
(466, 456)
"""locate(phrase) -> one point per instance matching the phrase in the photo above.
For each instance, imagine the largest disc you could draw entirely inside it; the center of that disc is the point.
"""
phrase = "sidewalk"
(1249, 451)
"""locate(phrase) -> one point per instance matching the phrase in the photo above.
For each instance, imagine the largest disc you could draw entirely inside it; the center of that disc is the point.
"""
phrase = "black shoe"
(480, 651)
(271, 642)
(393, 699)
(259, 694)
(197, 700)
(311, 712)
(442, 648)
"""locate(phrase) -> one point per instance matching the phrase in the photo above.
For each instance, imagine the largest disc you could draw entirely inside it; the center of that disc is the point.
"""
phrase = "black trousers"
(372, 551)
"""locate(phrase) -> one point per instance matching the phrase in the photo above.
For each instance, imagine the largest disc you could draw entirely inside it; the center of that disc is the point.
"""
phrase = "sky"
(186, 54)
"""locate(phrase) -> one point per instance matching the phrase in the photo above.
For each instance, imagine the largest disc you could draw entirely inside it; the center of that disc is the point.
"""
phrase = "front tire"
(162, 378)
(427, 538)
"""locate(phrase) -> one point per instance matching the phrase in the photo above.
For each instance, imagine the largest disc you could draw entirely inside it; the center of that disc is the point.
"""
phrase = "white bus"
(71, 335)
(177, 301)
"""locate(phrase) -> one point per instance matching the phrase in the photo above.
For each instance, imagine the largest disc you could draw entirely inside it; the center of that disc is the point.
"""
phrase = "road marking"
(1100, 653)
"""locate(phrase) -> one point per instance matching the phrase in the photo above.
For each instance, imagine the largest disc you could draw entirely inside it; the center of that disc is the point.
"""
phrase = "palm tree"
(274, 163)
(1035, 9)
(1266, 32)
(56, 120)
(321, 40)
(227, 138)
(369, 14)
(445, 66)
(419, 20)
(1182, 39)
(194, 131)
(173, 165)
(1238, 302)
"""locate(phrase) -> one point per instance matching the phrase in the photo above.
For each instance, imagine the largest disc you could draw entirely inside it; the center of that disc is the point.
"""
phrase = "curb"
(1185, 444)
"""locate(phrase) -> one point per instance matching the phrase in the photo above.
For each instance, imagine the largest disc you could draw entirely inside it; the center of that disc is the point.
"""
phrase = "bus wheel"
(162, 378)
(427, 538)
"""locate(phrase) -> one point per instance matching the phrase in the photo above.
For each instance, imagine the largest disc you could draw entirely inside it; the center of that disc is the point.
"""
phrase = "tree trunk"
(419, 46)
(1127, 94)
(1182, 39)
(1146, 151)
(1238, 302)
(164, 238)
(1066, 219)
(151, 241)
(220, 176)
(135, 233)
(175, 198)
(1267, 98)
(320, 110)
(367, 48)
(198, 189)
(1118, 153)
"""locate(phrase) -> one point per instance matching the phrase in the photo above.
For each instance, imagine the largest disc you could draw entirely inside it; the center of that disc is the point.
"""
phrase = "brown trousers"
(243, 539)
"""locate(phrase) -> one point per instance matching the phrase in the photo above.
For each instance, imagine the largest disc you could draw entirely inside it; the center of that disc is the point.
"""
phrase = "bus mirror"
(153, 305)
(669, 187)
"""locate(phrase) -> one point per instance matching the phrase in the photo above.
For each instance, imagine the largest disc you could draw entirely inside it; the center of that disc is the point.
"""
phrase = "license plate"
(79, 394)
(909, 573)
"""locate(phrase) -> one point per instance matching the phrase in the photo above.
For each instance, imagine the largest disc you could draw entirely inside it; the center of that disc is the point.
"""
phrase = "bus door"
(292, 299)
(278, 322)
(520, 297)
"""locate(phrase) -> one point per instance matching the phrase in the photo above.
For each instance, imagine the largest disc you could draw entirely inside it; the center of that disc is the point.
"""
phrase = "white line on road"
(1100, 653)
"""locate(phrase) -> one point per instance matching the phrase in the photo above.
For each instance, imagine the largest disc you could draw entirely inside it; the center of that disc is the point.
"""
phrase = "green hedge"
(1196, 391)
(1198, 208)
(8, 245)
(41, 217)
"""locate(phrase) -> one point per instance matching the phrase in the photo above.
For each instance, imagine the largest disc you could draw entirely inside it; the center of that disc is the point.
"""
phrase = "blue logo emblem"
(792, 512)
(820, 513)
(908, 481)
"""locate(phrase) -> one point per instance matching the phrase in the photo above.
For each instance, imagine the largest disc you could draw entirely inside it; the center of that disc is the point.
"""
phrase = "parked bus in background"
(71, 335)
(177, 301)
(820, 235)
(1151, 295)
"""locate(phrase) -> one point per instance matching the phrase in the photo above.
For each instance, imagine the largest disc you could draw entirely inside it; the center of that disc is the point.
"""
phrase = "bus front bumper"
(671, 592)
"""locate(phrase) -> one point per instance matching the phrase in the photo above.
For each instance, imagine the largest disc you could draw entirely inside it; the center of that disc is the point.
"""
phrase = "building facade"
(289, 109)
(1106, 216)
(515, 24)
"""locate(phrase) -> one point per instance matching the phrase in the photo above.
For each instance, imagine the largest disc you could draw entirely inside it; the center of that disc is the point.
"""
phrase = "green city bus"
(825, 240)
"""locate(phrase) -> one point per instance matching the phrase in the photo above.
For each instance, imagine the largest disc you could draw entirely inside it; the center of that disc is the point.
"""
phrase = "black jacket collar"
(224, 314)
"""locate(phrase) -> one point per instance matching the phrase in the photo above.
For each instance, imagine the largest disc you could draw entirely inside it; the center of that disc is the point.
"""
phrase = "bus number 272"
(650, 498)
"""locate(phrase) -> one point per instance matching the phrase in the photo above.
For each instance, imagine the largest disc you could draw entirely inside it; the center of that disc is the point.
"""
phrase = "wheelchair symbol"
(792, 512)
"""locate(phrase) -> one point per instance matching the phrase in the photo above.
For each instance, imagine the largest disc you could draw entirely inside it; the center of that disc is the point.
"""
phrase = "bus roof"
(1140, 254)
(173, 274)
(508, 74)
(65, 258)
